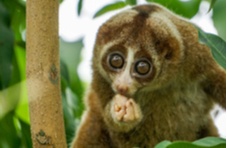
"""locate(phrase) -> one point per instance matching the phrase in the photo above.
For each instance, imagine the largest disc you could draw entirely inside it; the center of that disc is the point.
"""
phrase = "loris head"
(138, 49)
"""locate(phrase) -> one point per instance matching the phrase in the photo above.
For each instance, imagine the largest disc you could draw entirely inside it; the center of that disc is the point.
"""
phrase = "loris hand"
(125, 110)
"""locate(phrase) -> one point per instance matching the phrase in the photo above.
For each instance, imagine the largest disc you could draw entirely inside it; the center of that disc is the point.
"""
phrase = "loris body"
(152, 81)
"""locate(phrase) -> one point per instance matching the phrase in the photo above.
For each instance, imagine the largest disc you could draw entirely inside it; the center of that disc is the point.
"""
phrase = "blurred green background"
(14, 115)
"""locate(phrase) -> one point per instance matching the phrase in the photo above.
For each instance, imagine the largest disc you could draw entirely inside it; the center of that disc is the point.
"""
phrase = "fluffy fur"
(172, 103)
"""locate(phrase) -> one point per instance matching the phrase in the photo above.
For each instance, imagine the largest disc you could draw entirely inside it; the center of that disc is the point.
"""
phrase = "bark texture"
(43, 74)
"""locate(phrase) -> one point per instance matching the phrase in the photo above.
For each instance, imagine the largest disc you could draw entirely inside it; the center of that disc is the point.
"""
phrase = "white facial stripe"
(130, 59)
(125, 77)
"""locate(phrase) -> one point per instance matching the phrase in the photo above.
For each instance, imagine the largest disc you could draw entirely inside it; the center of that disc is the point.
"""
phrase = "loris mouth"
(125, 94)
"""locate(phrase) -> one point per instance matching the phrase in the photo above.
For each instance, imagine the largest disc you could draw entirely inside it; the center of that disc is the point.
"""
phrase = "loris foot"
(125, 110)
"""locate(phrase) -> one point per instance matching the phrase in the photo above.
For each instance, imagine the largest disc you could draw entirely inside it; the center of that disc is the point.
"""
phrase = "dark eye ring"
(116, 60)
(143, 67)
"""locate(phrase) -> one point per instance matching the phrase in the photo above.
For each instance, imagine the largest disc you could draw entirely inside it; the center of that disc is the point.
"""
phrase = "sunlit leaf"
(9, 99)
(20, 55)
(163, 144)
(131, 2)
(208, 142)
(110, 7)
(219, 17)
(22, 110)
(183, 144)
(184, 8)
(216, 44)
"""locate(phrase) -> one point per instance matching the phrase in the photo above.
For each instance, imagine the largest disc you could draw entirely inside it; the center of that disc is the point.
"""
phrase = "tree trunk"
(43, 74)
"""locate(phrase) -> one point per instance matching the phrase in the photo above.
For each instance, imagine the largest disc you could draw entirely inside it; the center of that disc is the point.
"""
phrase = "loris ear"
(215, 85)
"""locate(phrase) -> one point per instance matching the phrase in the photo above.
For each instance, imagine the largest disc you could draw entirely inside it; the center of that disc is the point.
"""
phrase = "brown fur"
(177, 99)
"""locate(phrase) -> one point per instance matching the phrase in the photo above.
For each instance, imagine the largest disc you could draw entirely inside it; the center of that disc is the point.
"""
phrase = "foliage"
(216, 44)
(180, 7)
(219, 17)
(208, 142)
(72, 86)
(80, 4)
(186, 9)
(14, 116)
(110, 7)
(15, 131)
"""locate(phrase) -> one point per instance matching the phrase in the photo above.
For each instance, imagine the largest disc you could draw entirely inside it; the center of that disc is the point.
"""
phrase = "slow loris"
(152, 81)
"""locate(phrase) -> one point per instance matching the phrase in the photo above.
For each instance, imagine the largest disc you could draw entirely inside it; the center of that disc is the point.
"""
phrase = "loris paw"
(125, 110)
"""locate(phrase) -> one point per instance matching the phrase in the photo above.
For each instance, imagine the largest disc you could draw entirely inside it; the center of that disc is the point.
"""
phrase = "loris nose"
(122, 89)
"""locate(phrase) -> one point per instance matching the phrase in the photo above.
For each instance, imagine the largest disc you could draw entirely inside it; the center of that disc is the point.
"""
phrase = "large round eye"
(116, 60)
(142, 67)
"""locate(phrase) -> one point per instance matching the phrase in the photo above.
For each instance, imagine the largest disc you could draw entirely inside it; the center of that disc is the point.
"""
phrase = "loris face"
(128, 69)
(133, 52)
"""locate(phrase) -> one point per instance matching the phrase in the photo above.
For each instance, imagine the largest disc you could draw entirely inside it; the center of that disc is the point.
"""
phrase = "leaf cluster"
(208, 142)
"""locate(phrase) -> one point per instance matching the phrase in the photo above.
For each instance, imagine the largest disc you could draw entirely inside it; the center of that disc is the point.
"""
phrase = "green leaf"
(12, 25)
(216, 44)
(22, 110)
(79, 6)
(212, 4)
(185, 8)
(17, 10)
(25, 134)
(9, 99)
(219, 18)
(210, 141)
(163, 144)
(6, 48)
(131, 2)
(8, 133)
(64, 73)
(20, 60)
(110, 7)
(69, 120)
(183, 144)
(70, 55)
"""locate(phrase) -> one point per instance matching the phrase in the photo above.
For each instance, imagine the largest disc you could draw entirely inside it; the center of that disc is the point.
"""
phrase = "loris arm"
(215, 85)
(92, 131)
(122, 113)
(91, 134)
(207, 72)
